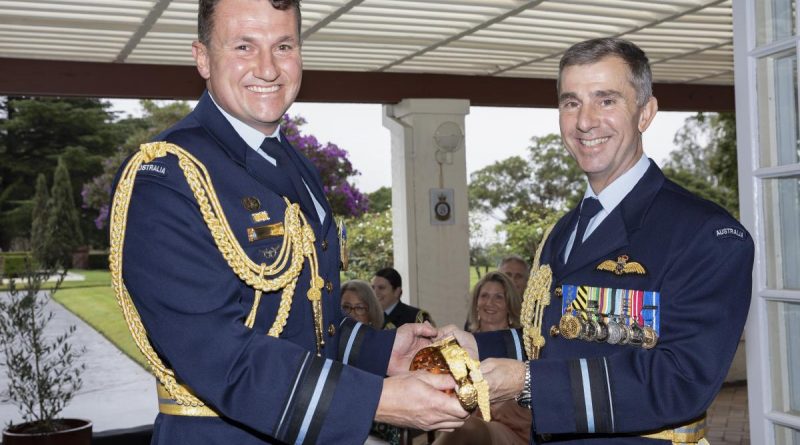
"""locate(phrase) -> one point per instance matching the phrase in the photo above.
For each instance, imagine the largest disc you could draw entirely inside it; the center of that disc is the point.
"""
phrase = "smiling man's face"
(601, 123)
(252, 64)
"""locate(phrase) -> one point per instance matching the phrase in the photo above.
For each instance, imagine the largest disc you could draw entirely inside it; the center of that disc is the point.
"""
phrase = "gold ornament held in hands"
(446, 356)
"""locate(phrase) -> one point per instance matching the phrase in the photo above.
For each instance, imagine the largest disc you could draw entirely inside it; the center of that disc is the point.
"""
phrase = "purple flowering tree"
(334, 168)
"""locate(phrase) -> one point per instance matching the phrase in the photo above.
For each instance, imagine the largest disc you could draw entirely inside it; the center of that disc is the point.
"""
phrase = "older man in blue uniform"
(650, 284)
(234, 293)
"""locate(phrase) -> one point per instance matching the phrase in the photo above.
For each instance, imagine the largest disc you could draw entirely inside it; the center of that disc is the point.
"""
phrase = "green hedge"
(12, 264)
(98, 260)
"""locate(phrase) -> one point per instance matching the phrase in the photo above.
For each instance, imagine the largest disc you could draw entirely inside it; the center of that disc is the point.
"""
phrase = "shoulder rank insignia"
(622, 266)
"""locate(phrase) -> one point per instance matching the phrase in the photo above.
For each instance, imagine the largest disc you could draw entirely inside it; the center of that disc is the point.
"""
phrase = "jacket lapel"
(613, 233)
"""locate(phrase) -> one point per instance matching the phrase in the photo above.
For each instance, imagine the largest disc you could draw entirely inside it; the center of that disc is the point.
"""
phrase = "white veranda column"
(429, 178)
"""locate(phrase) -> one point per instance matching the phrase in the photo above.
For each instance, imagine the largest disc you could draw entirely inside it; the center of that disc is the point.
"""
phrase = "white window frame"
(763, 419)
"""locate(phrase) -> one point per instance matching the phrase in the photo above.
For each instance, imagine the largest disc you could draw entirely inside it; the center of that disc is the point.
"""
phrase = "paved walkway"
(116, 393)
(728, 423)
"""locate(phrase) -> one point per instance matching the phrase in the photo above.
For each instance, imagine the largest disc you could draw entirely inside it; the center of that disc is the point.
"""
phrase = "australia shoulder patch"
(155, 168)
(730, 232)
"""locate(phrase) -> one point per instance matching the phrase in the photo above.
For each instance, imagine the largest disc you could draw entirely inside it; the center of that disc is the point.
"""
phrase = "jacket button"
(558, 292)
(324, 244)
(329, 286)
(331, 330)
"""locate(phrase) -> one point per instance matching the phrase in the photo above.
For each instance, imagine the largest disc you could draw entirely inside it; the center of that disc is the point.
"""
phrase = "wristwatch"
(524, 397)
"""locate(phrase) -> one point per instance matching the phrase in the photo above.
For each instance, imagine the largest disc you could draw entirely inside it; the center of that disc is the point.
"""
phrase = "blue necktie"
(298, 193)
(589, 208)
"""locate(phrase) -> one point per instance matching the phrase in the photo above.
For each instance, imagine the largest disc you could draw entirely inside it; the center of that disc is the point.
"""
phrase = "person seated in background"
(388, 287)
(360, 303)
(516, 269)
(495, 306)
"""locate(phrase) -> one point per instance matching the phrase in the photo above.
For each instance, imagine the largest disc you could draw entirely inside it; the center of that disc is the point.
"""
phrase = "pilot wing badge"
(622, 266)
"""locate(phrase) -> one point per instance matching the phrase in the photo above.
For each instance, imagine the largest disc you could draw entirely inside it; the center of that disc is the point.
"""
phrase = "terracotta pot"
(77, 432)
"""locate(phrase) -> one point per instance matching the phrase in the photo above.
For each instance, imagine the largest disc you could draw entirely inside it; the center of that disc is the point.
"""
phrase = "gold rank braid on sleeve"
(281, 274)
(535, 299)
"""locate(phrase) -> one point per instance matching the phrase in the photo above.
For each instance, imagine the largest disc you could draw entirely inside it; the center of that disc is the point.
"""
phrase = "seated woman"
(360, 304)
(495, 305)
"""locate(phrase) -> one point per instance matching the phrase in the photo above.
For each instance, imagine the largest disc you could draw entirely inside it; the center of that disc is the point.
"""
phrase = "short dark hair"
(205, 16)
(592, 51)
(391, 275)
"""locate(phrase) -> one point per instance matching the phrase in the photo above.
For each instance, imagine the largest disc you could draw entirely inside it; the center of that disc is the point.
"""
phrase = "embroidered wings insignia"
(622, 266)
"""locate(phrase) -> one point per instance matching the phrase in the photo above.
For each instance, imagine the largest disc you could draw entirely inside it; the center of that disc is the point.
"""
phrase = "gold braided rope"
(535, 299)
(298, 244)
(473, 390)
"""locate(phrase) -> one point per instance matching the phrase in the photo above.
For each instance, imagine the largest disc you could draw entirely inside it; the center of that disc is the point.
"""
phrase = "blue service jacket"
(267, 390)
(700, 260)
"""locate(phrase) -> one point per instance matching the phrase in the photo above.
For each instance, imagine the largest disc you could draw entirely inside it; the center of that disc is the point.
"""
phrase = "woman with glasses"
(360, 304)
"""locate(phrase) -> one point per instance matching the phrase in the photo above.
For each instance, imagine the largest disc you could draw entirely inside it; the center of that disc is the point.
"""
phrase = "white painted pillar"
(431, 255)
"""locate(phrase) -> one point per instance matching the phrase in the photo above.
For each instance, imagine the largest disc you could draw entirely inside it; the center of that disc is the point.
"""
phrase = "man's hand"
(505, 377)
(465, 339)
(410, 338)
(416, 400)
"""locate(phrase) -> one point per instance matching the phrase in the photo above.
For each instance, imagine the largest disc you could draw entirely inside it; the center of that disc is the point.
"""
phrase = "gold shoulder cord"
(535, 299)
(283, 273)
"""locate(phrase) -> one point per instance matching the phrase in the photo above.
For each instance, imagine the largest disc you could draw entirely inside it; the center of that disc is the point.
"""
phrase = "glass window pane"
(774, 20)
(777, 107)
(786, 436)
(784, 332)
(782, 232)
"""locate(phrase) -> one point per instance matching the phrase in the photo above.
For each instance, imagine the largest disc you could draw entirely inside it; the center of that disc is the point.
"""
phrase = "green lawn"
(94, 302)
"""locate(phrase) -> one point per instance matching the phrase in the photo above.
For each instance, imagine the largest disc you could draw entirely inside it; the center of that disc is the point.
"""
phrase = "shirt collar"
(252, 137)
(615, 192)
(391, 308)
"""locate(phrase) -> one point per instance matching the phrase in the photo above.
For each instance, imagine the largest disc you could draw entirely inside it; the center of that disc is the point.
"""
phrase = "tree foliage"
(380, 200)
(369, 238)
(34, 133)
(706, 162)
(528, 194)
(63, 232)
(41, 199)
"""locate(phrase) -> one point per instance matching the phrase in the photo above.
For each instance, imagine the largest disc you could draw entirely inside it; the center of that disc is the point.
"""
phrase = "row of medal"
(593, 327)
(608, 315)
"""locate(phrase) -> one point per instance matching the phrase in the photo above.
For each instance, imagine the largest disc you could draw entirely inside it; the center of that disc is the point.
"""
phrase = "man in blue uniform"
(231, 293)
(650, 284)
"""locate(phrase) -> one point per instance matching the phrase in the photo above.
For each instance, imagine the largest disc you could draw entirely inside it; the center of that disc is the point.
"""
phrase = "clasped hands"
(417, 399)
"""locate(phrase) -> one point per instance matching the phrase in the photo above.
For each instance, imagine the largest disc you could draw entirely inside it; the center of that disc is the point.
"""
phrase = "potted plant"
(43, 370)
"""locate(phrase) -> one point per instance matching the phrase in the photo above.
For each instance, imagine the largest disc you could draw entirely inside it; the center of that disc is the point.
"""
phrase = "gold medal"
(650, 337)
(570, 326)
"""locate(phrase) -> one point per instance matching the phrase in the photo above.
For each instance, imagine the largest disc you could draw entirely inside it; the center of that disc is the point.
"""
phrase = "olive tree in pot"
(43, 370)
